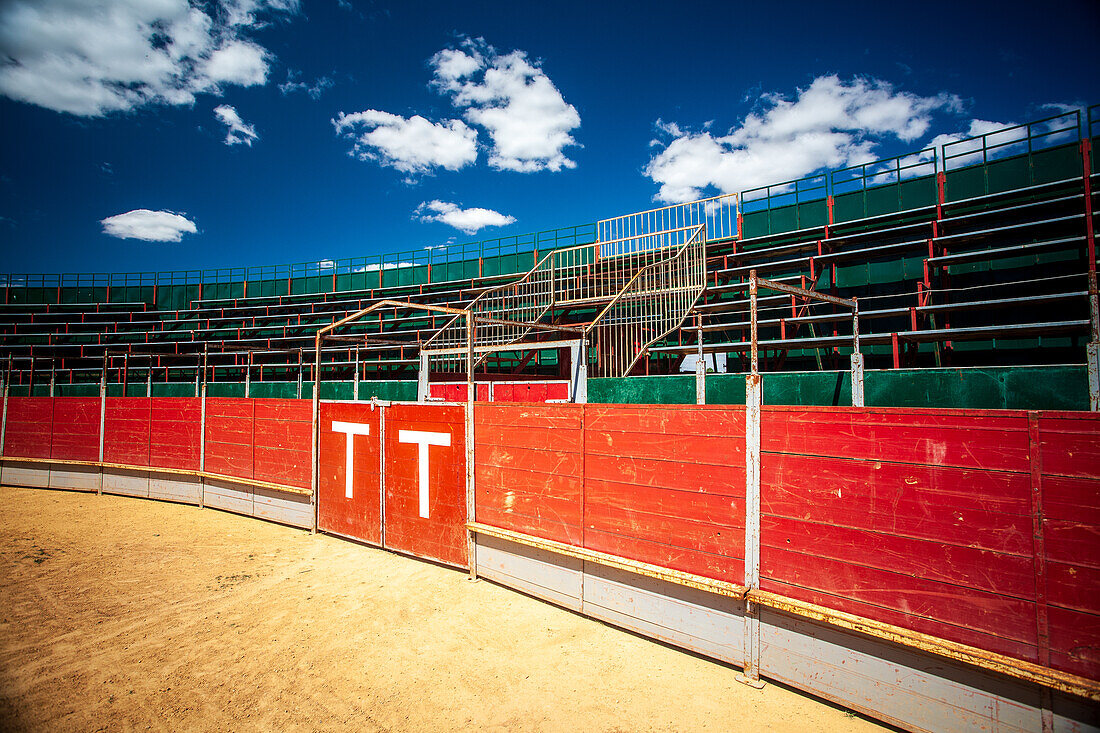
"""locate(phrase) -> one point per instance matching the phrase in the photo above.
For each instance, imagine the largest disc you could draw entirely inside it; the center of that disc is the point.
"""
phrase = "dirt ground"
(122, 614)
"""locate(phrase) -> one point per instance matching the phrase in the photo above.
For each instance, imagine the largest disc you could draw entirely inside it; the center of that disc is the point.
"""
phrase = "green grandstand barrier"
(1062, 387)
(404, 391)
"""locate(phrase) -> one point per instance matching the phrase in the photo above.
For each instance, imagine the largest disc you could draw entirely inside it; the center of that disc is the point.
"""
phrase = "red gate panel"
(350, 508)
(426, 481)
(126, 430)
(75, 429)
(29, 427)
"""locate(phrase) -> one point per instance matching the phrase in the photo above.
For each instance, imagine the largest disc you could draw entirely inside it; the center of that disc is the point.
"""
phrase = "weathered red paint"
(126, 430)
(282, 433)
(175, 429)
(229, 436)
(79, 439)
(29, 432)
(359, 517)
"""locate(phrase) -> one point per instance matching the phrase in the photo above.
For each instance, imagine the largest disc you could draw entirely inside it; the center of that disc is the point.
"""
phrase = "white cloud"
(150, 226)
(831, 123)
(514, 100)
(412, 145)
(236, 129)
(468, 221)
(93, 57)
(977, 128)
(374, 267)
(314, 90)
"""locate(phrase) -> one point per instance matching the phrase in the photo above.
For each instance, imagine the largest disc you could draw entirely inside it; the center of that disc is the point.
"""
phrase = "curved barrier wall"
(938, 569)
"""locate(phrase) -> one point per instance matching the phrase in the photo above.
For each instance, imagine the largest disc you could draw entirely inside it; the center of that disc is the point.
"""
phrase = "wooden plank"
(174, 432)
(708, 565)
(1070, 446)
(35, 475)
(967, 441)
(546, 575)
(74, 478)
(182, 489)
(295, 510)
(539, 461)
(686, 617)
(704, 449)
(1074, 641)
(228, 495)
(803, 542)
(903, 600)
(985, 509)
(29, 432)
(127, 425)
(684, 476)
(126, 483)
(75, 429)
(688, 421)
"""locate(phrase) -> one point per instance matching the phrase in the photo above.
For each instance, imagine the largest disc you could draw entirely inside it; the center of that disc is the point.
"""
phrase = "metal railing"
(718, 213)
(1012, 141)
(653, 303)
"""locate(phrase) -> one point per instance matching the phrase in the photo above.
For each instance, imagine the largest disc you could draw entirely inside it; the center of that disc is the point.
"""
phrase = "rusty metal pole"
(202, 433)
(471, 397)
(4, 418)
(315, 447)
(53, 375)
(700, 367)
(355, 376)
(857, 360)
(102, 418)
(149, 378)
(753, 399)
(248, 377)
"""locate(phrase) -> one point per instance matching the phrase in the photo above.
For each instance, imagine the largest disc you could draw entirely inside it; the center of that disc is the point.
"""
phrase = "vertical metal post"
(422, 379)
(857, 359)
(753, 398)
(102, 419)
(355, 377)
(202, 439)
(700, 369)
(578, 353)
(1092, 356)
(248, 377)
(471, 397)
(315, 447)
(755, 360)
(125, 371)
(30, 378)
(4, 418)
(53, 376)
(300, 368)
(149, 379)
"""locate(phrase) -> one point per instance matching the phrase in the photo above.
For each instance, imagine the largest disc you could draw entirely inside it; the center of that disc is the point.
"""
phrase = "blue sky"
(276, 131)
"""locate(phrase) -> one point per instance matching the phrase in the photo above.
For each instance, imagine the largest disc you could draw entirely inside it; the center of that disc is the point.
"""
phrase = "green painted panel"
(918, 192)
(1046, 388)
(1057, 164)
(848, 206)
(1008, 174)
(132, 294)
(664, 390)
(173, 389)
(883, 200)
(807, 388)
(77, 390)
(755, 224)
(724, 389)
(388, 390)
(310, 285)
(272, 390)
(964, 183)
(225, 389)
(176, 297)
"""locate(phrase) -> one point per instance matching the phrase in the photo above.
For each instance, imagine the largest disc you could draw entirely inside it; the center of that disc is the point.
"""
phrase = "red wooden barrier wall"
(528, 469)
(360, 515)
(660, 484)
(175, 427)
(127, 423)
(1068, 497)
(29, 431)
(266, 440)
(75, 429)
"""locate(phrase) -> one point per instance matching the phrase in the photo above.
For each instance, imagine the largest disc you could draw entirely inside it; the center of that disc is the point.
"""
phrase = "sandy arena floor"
(120, 614)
